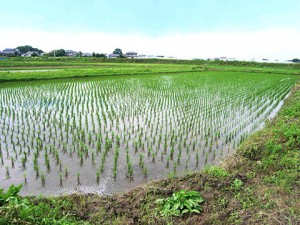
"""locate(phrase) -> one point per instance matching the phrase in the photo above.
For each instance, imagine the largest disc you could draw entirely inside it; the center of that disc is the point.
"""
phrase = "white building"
(70, 53)
(30, 54)
(131, 54)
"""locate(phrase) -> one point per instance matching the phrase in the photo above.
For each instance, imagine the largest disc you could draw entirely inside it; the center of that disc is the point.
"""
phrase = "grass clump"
(216, 171)
(15, 209)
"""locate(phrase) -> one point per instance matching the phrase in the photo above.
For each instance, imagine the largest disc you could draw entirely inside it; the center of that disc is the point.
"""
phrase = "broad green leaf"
(176, 205)
(184, 211)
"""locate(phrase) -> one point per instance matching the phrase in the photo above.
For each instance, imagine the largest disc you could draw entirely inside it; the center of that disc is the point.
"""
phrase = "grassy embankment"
(20, 69)
(257, 185)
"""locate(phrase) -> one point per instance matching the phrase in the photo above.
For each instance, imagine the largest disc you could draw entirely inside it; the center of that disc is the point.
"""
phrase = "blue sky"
(152, 19)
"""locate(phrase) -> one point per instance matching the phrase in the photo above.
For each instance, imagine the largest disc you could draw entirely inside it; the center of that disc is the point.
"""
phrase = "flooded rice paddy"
(110, 134)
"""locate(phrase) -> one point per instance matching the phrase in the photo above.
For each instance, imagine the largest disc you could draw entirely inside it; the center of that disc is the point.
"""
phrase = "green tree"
(34, 54)
(57, 53)
(118, 51)
(100, 55)
(27, 48)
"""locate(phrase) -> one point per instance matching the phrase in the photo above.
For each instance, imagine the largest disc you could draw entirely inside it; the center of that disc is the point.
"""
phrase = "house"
(31, 54)
(86, 54)
(10, 52)
(114, 56)
(131, 54)
(70, 53)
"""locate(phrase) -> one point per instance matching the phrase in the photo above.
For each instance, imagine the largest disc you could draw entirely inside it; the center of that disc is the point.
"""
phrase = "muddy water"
(175, 123)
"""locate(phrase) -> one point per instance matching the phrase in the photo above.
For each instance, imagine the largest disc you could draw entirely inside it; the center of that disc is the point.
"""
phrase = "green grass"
(216, 171)
(85, 61)
(17, 210)
(91, 71)
(20, 69)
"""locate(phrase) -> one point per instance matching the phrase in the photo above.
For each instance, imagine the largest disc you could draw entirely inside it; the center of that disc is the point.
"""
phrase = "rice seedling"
(141, 160)
(60, 179)
(116, 157)
(153, 157)
(7, 174)
(168, 162)
(145, 171)
(174, 166)
(66, 173)
(98, 176)
(197, 159)
(78, 178)
(43, 180)
(129, 170)
(12, 162)
(25, 178)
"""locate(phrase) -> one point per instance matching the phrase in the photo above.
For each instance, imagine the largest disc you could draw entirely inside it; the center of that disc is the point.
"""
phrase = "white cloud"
(279, 44)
